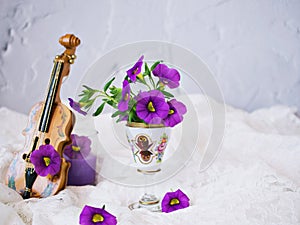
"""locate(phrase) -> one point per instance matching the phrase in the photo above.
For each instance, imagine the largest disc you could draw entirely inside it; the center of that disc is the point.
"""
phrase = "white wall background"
(251, 46)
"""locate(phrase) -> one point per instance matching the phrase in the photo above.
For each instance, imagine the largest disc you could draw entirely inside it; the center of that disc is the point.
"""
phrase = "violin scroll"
(69, 41)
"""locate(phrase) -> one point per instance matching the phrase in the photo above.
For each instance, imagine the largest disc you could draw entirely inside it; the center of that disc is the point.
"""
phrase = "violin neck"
(52, 95)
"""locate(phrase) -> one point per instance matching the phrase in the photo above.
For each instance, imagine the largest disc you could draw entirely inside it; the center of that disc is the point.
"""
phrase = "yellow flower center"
(76, 148)
(140, 76)
(161, 84)
(171, 112)
(97, 218)
(150, 107)
(47, 160)
(126, 96)
(174, 201)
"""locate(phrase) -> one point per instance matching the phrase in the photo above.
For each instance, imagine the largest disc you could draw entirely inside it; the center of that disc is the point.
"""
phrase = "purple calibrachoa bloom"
(176, 112)
(135, 70)
(80, 147)
(123, 104)
(76, 106)
(173, 201)
(167, 76)
(91, 215)
(151, 106)
(46, 160)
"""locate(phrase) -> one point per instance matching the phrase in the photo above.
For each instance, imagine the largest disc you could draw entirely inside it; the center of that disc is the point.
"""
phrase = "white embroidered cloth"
(254, 180)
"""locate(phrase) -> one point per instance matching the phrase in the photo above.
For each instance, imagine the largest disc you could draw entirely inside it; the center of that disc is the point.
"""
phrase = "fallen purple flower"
(173, 201)
(91, 215)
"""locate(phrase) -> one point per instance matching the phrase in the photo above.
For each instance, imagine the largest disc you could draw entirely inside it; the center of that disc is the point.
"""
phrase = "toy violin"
(50, 123)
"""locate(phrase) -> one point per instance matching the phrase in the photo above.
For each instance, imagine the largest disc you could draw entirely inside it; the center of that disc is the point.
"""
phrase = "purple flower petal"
(174, 200)
(79, 148)
(151, 107)
(91, 215)
(135, 70)
(175, 115)
(38, 160)
(76, 106)
(167, 76)
(123, 104)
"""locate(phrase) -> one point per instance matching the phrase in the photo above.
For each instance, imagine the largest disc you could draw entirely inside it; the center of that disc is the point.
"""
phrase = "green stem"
(143, 82)
(104, 94)
(152, 82)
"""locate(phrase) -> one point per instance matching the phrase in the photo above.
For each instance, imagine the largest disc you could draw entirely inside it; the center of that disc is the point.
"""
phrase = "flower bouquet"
(155, 105)
(144, 102)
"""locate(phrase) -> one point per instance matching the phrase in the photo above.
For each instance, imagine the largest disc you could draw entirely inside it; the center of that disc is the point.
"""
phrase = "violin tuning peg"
(71, 61)
(73, 56)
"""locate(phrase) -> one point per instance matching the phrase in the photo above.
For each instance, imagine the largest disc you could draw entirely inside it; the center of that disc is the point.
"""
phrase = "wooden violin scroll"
(50, 123)
(69, 41)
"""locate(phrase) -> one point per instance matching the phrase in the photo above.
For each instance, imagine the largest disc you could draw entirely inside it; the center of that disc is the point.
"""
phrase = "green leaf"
(155, 64)
(110, 102)
(88, 104)
(115, 91)
(167, 94)
(130, 116)
(108, 84)
(86, 97)
(89, 89)
(147, 71)
(84, 92)
(99, 110)
(117, 113)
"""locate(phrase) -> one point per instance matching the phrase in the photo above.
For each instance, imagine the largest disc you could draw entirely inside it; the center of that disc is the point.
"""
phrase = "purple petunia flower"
(91, 215)
(167, 76)
(123, 104)
(80, 147)
(174, 200)
(76, 106)
(151, 106)
(46, 160)
(177, 109)
(135, 70)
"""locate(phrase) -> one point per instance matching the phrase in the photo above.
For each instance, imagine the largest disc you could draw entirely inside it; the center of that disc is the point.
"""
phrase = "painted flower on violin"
(135, 70)
(143, 98)
(92, 215)
(79, 148)
(173, 201)
(46, 160)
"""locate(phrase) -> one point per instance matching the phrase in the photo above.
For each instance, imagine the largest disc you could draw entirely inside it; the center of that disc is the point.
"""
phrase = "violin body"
(62, 125)
(50, 123)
